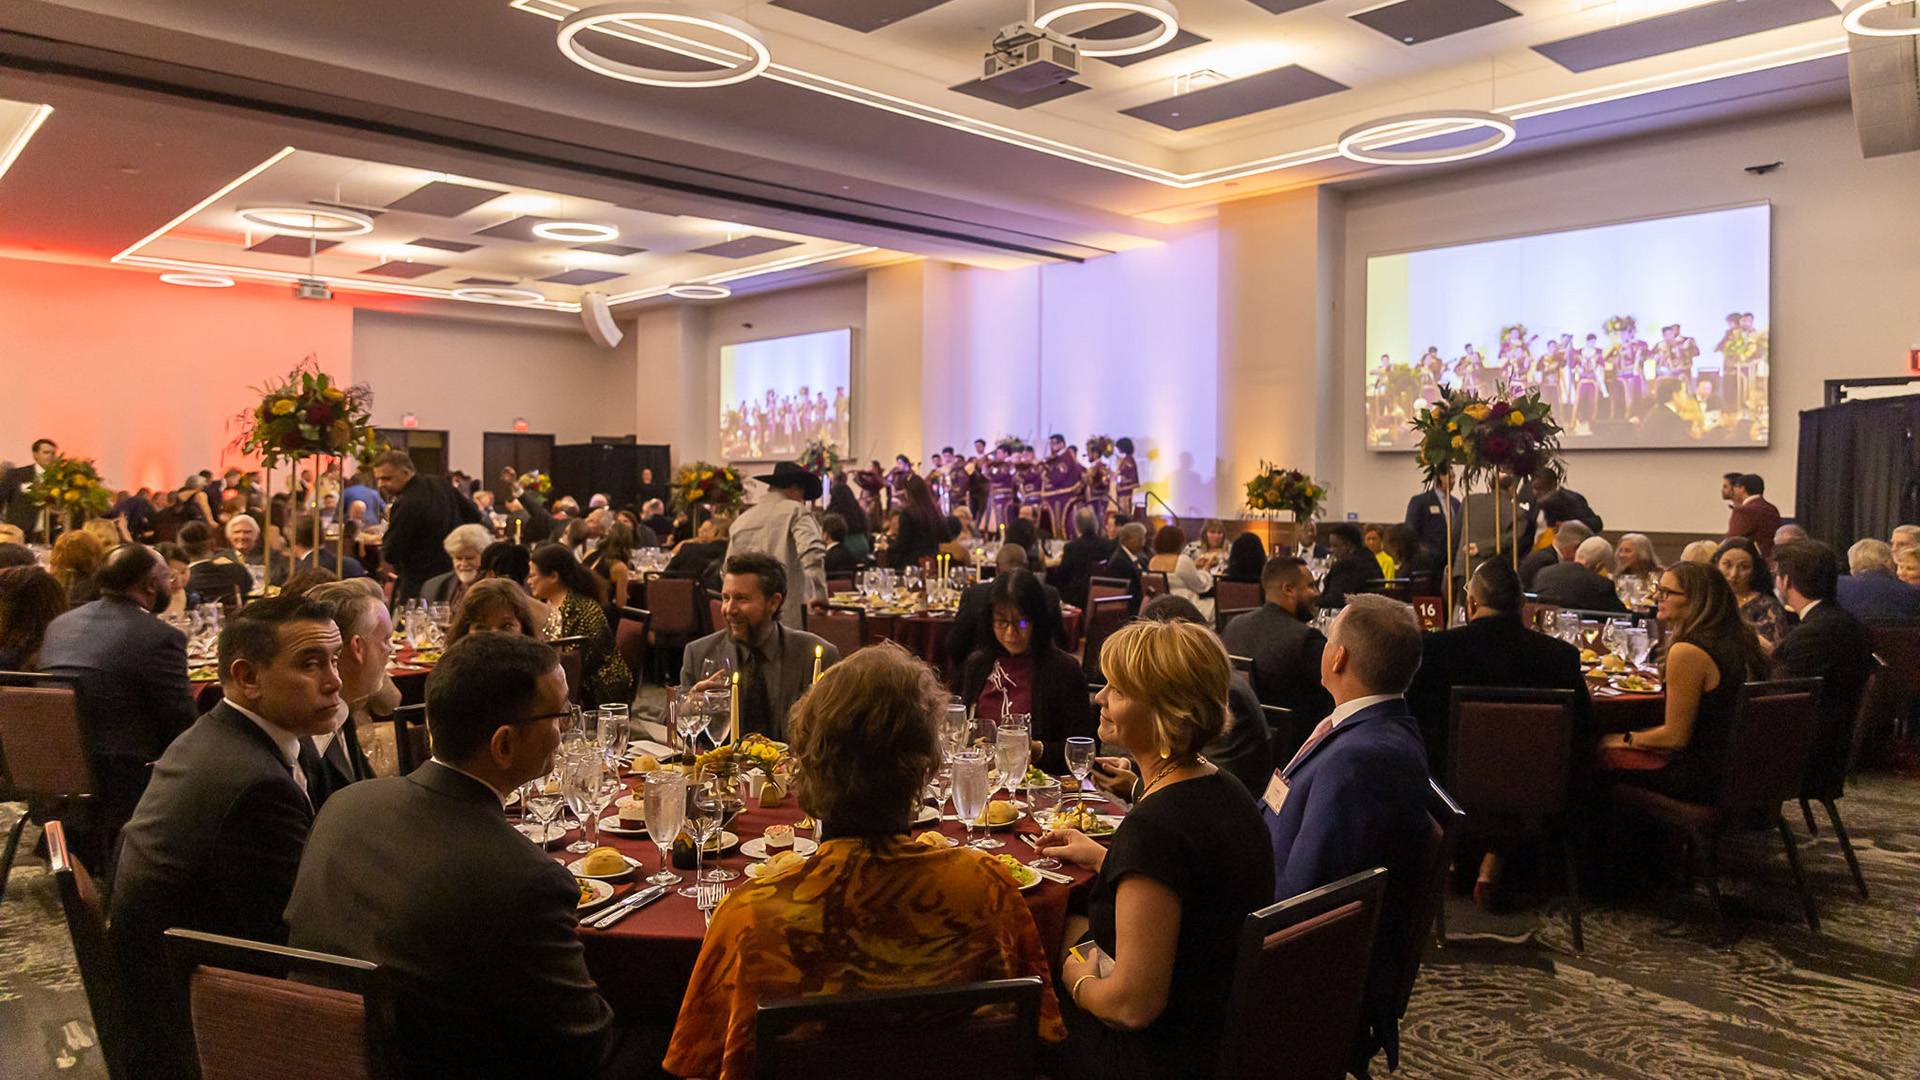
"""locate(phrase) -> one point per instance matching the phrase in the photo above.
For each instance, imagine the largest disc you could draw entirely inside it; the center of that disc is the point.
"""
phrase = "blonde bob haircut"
(1180, 672)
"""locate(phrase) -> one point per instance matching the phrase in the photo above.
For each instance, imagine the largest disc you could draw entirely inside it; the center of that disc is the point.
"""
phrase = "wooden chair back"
(43, 739)
(978, 1031)
(630, 638)
(1236, 595)
(1104, 616)
(844, 628)
(1510, 750)
(1416, 900)
(671, 601)
(86, 915)
(1774, 728)
(412, 745)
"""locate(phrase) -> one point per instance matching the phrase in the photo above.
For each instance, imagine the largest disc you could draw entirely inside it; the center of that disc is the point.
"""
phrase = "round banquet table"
(409, 676)
(643, 962)
(924, 632)
(1614, 711)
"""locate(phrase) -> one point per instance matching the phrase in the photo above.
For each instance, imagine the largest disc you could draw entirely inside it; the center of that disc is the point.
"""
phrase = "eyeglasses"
(1664, 593)
(1017, 624)
(567, 716)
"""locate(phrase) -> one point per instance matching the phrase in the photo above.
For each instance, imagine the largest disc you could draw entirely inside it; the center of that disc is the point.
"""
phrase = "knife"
(626, 907)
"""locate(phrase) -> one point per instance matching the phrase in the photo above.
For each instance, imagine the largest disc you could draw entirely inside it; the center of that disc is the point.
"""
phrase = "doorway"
(512, 450)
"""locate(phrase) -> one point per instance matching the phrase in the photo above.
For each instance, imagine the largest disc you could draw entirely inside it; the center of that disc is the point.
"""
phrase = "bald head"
(1011, 557)
(1595, 554)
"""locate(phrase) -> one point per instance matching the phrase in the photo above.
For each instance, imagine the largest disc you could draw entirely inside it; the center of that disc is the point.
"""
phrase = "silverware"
(709, 898)
(627, 906)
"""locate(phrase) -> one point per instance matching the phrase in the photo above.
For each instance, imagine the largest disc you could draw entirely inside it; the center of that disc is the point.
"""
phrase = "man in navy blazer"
(1435, 515)
(1869, 590)
(1354, 796)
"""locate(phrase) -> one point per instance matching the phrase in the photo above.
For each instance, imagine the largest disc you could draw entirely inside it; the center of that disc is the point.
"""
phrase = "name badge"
(1276, 794)
(1433, 509)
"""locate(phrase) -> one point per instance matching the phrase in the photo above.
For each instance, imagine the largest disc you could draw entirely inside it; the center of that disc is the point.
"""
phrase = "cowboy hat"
(787, 474)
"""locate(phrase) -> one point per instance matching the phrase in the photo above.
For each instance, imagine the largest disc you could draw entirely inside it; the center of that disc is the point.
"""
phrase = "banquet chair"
(1235, 596)
(1509, 765)
(715, 620)
(675, 621)
(43, 754)
(845, 628)
(1286, 732)
(1104, 616)
(331, 1017)
(1825, 781)
(86, 914)
(1774, 727)
(1223, 616)
(1099, 587)
(977, 1031)
(411, 743)
(1153, 583)
(630, 638)
(1412, 912)
(1897, 643)
(1301, 972)
(840, 583)
(572, 659)
(1400, 589)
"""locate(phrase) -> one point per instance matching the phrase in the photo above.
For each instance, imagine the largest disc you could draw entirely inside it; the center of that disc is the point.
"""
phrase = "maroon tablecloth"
(644, 961)
(1628, 712)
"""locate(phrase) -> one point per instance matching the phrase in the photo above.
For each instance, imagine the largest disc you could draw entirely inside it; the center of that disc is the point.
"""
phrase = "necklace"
(1172, 766)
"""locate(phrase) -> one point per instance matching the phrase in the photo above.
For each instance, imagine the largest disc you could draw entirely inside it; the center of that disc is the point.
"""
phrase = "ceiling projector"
(311, 289)
(1024, 58)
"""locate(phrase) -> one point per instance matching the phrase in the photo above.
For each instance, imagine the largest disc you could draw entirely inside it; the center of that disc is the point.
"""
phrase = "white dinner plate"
(756, 848)
(613, 826)
(632, 865)
(602, 892)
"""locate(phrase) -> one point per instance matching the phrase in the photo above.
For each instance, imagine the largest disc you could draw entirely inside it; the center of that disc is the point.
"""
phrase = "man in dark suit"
(839, 560)
(1870, 590)
(973, 620)
(1081, 557)
(1829, 642)
(1284, 648)
(1353, 565)
(1567, 538)
(1558, 504)
(217, 837)
(366, 646)
(1124, 563)
(131, 673)
(1435, 515)
(1354, 797)
(19, 510)
(1579, 584)
(425, 510)
(423, 875)
(1753, 516)
(774, 660)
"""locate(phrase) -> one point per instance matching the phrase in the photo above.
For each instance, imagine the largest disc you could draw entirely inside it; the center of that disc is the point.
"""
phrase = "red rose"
(1532, 430)
(320, 413)
(1496, 446)
(1500, 410)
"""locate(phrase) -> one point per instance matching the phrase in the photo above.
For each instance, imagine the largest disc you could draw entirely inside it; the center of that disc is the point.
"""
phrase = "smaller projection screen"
(778, 395)
(1648, 334)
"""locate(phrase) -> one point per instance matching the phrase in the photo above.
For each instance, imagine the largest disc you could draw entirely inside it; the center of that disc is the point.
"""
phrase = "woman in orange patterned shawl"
(871, 910)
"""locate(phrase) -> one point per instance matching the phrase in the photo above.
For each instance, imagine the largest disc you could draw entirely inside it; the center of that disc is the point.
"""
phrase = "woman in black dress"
(922, 529)
(1185, 868)
(1022, 671)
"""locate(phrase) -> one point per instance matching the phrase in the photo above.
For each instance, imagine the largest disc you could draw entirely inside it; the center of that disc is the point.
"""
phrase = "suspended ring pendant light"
(661, 20)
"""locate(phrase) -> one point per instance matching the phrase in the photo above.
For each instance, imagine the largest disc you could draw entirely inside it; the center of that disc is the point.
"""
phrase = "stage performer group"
(1012, 480)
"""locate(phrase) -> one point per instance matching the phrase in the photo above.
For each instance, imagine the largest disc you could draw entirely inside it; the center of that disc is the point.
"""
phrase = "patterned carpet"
(1655, 997)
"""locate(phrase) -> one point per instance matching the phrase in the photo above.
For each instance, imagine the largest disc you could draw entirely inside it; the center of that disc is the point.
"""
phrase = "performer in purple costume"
(897, 480)
(1000, 489)
(1126, 477)
(1097, 487)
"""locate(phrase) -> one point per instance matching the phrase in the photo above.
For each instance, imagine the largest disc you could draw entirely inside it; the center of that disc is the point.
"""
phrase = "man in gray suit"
(423, 875)
(775, 662)
(780, 526)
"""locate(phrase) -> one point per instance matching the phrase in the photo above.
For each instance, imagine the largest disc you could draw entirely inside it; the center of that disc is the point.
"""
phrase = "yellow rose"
(1458, 442)
(334, 394)
(282, 407)
(1453, 425)
(1516, 418)
(1477, 410)
(72, 496)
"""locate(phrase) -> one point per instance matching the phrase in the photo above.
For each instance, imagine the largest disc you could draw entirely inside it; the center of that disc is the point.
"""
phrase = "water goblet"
(970, 791)
(720, 803)
(1043, 801)
(1079, 762)
(581, 787)
(664, 794)
(1011, 752)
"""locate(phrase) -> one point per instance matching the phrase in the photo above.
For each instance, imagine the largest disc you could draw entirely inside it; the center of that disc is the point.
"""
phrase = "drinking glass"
(543, 807)
(1639, 645)
(703, 823)
(665, 796)
(581, 786)
(970, 792)
(1043, 802)
(1011, 750)
(717, 704)
(953, 729)
(613, 730)
(689, 719)
(719, 803)
(1079, 761)
(709, 668)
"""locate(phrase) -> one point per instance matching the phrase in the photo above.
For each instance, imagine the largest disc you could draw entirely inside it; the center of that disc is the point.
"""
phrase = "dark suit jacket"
(1061, 708)
(973, 622)
(1535, 562)
(1496, 650)
(1424, 517)
(213, 846)
(342, 763)
(1568, 505)
(13, 499)
(795, 672)
(1835, 646)
(426, 510)
(1121, 564)
(1245, 748)
(423, 875)
(1356, 800)
(1757, 520)
(132, 671)
(1348, 577)
(1078, 561)
(841, 561)
(1878, 595)
(1572, 585)
(1286, 660)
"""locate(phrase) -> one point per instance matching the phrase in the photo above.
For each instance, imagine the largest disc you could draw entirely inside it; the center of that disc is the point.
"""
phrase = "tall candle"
(516, 530)
(733, 706)
(817, 650)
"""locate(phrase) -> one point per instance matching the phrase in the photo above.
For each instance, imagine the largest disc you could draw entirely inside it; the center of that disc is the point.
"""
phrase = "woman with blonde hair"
(1184, 869)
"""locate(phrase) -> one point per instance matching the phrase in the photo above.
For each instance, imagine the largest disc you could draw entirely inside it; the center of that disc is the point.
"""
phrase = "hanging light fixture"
(1166, 25)
(325, 222)
(1887, 24)
(692, 291)
(1367, 142)
(653, 24)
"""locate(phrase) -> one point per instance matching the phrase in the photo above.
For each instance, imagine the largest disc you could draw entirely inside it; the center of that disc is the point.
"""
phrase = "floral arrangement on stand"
(1277, 490)
(535, 481)
(309, 413)
(1099, 447)
(716, 487)
(821, 458)
(68, 486)
(1516, 437)
(1012, 444)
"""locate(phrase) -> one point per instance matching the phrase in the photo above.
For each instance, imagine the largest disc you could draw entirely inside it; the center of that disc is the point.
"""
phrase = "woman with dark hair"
(1246, 557)
(1209, 552)
(505, 559)
(493, 605)
(575, 536)
(1709, 654)
(1024, 673)
(1183, 578)
(1411, 558)
(30, 599)
(921, 529)
(846, 502)
(1739, 561)
(613, 561)
(575, 597)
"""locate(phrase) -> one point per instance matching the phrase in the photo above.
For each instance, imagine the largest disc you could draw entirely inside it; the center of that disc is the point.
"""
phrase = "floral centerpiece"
(309, 413)
(69, 485)
(1099, 447)
(821, 458)
(535, 481)
(1517, 437)
(716, 487)
(1012, 444)
(1274, 489)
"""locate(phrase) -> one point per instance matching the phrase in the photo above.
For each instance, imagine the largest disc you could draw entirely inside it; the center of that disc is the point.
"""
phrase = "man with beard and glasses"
(130, 671)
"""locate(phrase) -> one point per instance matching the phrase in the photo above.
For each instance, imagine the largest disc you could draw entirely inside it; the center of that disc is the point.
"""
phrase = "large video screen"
(779, 394)
(1646, 334)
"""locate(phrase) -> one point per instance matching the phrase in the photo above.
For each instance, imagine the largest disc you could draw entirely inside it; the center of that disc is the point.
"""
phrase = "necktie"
(1319, 732)
(306, 768)
(756, 704)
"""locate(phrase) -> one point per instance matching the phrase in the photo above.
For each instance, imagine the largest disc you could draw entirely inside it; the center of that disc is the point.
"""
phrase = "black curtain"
(1859, 471)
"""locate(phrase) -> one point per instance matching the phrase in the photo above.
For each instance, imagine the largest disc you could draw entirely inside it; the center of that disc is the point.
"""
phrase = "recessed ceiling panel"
(865, 16)
(582, 277)
(1127, 26)
(1255, 93)
(744, 247)
(441, 245)
(482, 281)
(618, 250)
(403, 269)
(292, 245)
(987, 91)
(1412, 22)
(443, 199)
(520, 228)
(1678, 30)
(1281, 7)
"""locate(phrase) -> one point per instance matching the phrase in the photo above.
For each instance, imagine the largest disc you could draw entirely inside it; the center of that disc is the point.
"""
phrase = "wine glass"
(1079, 762)
(1043, 802)
(1011, 751)
(580, 784)
(970, 791)
(689, 719)
(953, 729)
(613, 731)
(703, 823)
(543, 806)
(664, 794)
(719, 803)
(717, 705)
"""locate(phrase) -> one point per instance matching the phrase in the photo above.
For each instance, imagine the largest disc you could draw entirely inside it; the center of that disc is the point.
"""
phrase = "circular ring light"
(1160, 11)
(1359, 143)
(198, 281)
(664, 18)
(320, 221)
(498, 296)
(579, 232)
(1854, 19)
(699, 292)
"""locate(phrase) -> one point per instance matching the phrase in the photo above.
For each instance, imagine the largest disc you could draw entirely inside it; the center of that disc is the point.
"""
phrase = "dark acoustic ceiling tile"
(456, 246)
(1679, 30)
(403, 269)
(482, 281)
(520, 228)
(1127, 26)
(582, 277)
(1414, 22)
(443, 199)
(291, 245)
(987, 91)
(620, 250)
(1281, 7)
(745, 246)
(865, 16)
(1256, 93)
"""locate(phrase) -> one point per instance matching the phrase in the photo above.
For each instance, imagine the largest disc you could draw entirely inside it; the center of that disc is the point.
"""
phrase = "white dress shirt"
(287, 742)
(1341, 712)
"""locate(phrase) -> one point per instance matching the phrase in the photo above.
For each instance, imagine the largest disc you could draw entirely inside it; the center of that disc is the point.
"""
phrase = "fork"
(709, 898)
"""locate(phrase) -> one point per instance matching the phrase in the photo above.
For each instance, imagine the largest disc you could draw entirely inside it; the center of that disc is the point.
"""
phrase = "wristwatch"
(1627, 739)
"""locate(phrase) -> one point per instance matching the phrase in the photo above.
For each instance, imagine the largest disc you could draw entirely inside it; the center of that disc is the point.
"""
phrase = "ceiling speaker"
(598, 319)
